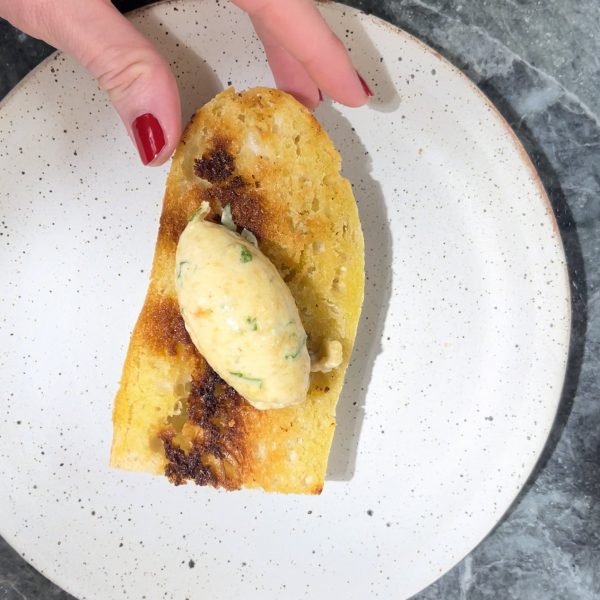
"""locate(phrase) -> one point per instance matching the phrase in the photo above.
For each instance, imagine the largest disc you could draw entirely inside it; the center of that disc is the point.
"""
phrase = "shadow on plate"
(356, 166)
(367, 60)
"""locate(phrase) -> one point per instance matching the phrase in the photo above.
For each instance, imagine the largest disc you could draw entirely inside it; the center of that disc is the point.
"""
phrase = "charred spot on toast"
(209, 448)
(218, 167)
(181, 466)
(203, 400)
(165, 328)
(246, 209)
(217, 164)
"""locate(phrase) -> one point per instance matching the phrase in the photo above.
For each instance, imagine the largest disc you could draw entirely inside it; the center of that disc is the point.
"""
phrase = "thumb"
(137, 78)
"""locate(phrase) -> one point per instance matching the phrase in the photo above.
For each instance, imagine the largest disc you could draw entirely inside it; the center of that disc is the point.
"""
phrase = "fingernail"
(149, 137)
(365, 87)
(320, 96)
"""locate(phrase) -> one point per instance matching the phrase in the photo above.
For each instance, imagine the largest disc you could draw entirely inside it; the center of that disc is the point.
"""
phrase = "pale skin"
(304, 55)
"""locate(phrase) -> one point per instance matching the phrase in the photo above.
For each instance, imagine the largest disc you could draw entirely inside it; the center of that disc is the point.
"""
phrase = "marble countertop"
(538, 62)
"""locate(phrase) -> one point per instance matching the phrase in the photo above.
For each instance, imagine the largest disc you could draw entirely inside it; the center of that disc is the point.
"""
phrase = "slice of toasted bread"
(266, 155)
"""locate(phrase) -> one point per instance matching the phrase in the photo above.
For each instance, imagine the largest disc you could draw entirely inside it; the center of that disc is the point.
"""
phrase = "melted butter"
(241, 315)
(330, 359)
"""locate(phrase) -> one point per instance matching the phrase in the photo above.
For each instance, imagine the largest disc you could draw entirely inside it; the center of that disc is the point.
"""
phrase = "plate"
(455, 379)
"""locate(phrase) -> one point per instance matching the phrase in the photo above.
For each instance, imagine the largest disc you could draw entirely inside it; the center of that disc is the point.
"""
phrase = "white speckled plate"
(457, 371)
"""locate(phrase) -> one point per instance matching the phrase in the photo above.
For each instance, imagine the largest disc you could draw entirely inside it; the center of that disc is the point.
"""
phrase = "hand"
(304, 54)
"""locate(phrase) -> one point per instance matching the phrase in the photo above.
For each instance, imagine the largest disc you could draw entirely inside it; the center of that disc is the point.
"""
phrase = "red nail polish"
(149, 137)
(365, 87)
(320, 96)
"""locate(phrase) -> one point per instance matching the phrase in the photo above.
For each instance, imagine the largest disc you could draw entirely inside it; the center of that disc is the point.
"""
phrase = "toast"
(264, 154)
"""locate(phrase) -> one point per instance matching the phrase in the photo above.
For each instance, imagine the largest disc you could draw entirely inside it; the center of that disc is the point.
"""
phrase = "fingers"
(289, 73)
(296, 28)
(137, 78)
(303, 52)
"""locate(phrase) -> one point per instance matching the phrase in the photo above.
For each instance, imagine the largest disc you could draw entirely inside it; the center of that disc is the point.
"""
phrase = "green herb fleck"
(252, 324)
(245, 254)
(200, 212)
(179, 265)
(296, 353)
(252, 380)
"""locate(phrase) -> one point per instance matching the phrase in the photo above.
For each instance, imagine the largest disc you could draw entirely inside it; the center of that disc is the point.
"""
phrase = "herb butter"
(241, 315)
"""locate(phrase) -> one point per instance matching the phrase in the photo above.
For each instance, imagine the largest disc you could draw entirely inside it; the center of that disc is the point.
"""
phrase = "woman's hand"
(304, 54)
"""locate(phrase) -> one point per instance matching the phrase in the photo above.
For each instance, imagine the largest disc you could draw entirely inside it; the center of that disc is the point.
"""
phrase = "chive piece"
(249, 237)
(252, 380)
(245, 254)
(252, 324)
(293, 355)
(201, 211)
(179, 265)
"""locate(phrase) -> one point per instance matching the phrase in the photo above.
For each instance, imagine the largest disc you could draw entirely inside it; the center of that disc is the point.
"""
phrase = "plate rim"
(525, 159)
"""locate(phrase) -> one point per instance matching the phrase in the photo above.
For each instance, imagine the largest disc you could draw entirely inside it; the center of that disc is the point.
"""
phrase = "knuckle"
(118, 69)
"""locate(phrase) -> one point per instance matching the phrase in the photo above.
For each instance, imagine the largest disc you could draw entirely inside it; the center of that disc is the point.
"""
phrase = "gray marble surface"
(539, 62)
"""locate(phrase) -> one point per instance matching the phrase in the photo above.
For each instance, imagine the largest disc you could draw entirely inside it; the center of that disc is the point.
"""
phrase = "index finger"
(298, 26)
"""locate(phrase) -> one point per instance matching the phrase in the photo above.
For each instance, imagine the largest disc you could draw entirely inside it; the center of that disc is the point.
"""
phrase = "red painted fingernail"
(320, 96)
(365, 87)
(149, 137)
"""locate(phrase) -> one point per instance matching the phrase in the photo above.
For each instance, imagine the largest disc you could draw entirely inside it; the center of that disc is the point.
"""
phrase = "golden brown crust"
(267, 157)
